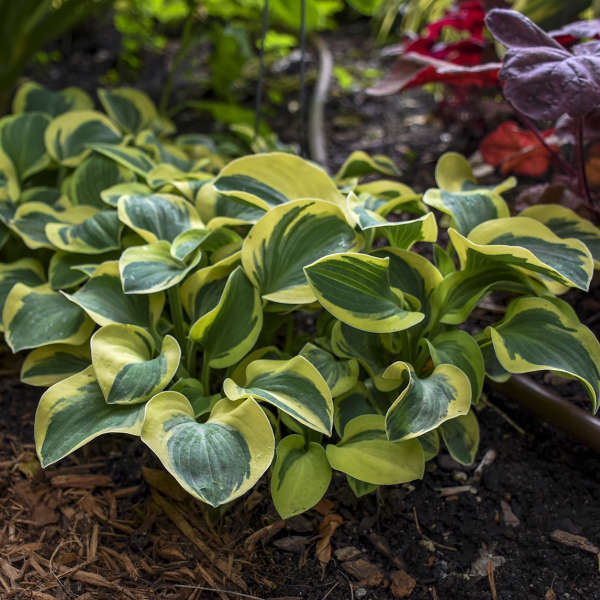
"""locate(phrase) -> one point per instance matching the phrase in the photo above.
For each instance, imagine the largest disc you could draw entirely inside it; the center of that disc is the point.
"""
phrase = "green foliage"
(27, 26)
(259, 314)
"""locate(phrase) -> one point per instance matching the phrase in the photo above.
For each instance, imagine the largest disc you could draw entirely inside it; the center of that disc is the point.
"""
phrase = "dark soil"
(92, 527)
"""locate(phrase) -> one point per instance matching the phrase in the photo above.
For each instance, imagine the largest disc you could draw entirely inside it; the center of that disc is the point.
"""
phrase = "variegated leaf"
(365, 453)
(290, 237)
(73, 412)
(129, 366)
(22, 139)
(25, 270)
(151, 268)
(461, 436)
(216, 461)
(50, 364)
(94, 175)
(103, 299)
(294, 386)
(39, 316)
(130, 108)
(424, 404)
(70, 136)
(132, 158)
(32, 97)
(359, 164)
(355, 288)
(230, 330)
(157, 217)
(537, 334)
(340, 375)
(525, 243)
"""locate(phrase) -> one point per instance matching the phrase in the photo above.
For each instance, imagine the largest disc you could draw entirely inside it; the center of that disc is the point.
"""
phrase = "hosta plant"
(267, 316)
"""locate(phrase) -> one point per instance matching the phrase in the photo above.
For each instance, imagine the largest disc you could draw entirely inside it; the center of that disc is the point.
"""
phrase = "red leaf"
(516, 150)
(414, 70)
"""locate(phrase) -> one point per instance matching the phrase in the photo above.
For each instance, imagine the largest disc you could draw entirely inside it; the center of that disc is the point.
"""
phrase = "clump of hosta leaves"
(263, 315)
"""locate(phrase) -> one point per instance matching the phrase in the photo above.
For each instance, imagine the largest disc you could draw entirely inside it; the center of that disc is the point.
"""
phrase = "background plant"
(245, 317)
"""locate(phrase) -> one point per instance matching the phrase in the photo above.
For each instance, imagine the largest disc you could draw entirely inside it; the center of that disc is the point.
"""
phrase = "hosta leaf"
(132, 158)
(294, 386)
(218, 209)
(340, 375)
(461, 436)
(94, 175)
(202, 290)
(468, 208)
(537, 335)
(301, 476)
(430, 442)
(151, 268)
(32, 97)
(368, 348)
(359, 164)
(525, 243)
(238, 373)
(384, 196)
(400, 234)
(453, 173)
(67, 270)
(73, 412)
(25, 270)
(231, 328)
(216, 461)
(129, 367)
(158, 217)
(102, 297)
(423, 404)
(276, 178)
(96, 235)
(10, 190)
(352, 404)
(458, 348)
(50, 364)
(355, 288)
(69, 137)
(38, 316)
(412, 274)
(290, 237)
(131, 109)
(460, 292)
(22, 139)
(360, 488)
(31, 219)
(112, 194)
(46, 195)
(566, 223)
(365, 453)
(166, 155)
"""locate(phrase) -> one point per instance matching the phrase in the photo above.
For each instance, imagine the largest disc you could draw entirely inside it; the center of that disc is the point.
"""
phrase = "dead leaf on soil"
(550, 595)
(510, 519)
(293, 543)
(486, 556)
(347, 553)
(328, 526)
(367, 573)
(402, 584)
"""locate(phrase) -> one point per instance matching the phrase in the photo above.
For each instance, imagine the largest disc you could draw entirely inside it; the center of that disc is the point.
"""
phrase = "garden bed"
(89, 527)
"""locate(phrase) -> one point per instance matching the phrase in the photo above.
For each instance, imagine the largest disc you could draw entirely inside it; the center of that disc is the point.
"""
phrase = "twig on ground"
(425, 537)
(330, 590)
(349, 584)
(504, 416)
(490, 570)
(488, 458)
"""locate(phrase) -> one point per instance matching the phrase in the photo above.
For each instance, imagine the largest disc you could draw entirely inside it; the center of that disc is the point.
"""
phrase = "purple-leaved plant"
(544, 80)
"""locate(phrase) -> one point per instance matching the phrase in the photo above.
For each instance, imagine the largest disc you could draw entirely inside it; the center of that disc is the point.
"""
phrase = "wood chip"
(263, 535)
(402, 584)
(292, 543)
(81, 481)
(459, 489)
(576, 541)
(550, 594)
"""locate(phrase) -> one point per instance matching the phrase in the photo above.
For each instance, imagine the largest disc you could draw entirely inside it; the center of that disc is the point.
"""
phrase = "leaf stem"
(584, 188)
(190, 358)
(205, 376)
(177, 316)
(538, 134)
